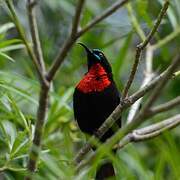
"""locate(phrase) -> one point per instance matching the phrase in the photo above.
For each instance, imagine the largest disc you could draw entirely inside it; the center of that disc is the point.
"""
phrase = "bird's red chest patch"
(95, 80)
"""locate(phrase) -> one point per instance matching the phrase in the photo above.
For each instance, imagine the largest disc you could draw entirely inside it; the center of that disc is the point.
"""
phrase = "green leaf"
(19, 91)
(20, 115)
(6, 56)
(6, 27)
(11, 133)
(12, 47)
(20, 146)
(6, 43)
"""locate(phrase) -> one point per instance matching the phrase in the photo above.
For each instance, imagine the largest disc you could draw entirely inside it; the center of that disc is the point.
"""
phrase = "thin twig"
(77, 16)
(165, 107)
(135, 22)
(106, 13)
(148, 60)
(147, 78)
(43, 99)
(141, 47)
(22, 36)
(39, 127)
(158, 89)
(167, 39)
(68, 43)
(149, 132)
(35, 35)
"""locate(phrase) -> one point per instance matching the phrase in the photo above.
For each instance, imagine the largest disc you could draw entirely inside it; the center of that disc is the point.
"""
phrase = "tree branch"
(35, 35)
(44, 90)
(22, 36)
(149, 132)
(148, 74)
(164, 107)
(141, 47)
(106, 13)
(39, 127)
(148, 77)
(77, 16)
(68, 43)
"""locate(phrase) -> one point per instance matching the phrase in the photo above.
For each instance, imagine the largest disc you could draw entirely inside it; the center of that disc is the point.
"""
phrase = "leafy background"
(155, 159)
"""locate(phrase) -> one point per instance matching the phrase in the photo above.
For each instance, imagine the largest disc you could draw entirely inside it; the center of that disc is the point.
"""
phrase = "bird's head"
(95, 56)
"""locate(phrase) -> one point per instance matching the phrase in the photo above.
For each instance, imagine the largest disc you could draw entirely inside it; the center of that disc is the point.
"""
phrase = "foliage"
(156, 159)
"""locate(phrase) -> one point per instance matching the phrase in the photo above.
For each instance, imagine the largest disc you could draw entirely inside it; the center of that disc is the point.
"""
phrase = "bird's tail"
(105, 171)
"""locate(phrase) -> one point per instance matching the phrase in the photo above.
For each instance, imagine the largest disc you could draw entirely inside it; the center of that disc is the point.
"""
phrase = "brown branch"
(77, 16)
(147, 78)
(40, 68)
(68, 43)
(22, 36)
(39, 127)
(35, 35)
(149, 132)
(44, 90)
(141, 47)
(43, 102)
(122, 106)
(164, 107)
(106, 13)
(158, 89)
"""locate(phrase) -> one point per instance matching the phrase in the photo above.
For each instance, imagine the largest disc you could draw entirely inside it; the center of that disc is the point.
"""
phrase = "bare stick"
(164, 107)
(39, 127)
(149, 132)
(43, 99)
(106, 13)
(141, 47)
(148, 77)
(35, 34)
(77, 16)
(22, 35)
(68, 43)
(148, 74)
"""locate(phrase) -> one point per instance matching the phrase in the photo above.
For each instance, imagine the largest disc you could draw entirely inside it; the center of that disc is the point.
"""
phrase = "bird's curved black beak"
(88, 51)
(90, 55)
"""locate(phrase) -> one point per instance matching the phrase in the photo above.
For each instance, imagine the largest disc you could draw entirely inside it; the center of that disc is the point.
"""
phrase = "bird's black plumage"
(92, 108)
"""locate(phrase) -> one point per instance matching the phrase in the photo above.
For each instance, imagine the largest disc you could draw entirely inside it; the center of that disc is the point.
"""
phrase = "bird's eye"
(101, 54)
(98, 57)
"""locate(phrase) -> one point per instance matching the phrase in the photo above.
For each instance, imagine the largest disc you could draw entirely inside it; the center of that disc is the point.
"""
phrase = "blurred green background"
(117, 38)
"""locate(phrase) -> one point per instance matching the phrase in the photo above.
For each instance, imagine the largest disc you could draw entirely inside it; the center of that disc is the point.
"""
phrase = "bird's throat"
(96, 80)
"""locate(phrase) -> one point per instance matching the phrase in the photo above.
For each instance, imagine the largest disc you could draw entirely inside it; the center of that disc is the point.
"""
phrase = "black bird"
(95, 97)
